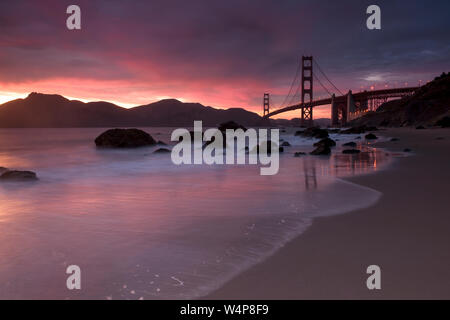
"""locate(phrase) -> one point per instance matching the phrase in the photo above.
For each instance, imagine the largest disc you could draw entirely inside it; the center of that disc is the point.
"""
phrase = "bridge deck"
(390, 93)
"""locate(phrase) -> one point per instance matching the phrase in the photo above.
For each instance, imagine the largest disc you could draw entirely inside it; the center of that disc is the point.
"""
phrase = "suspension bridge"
(344, 107)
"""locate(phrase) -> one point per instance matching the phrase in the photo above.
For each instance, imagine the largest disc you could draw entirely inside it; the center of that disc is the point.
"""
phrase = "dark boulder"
(15, 175)
(351, 151)
(444, 122)
(280, 149)
(124, 138)
(285, 144)
(359, 130)
(395, 139)
(371, 136)
(299, 154)
(321, 151)
(350, 144)
(231, 125)
(162, 150)
(407, 150)
(325, 142)
(420, 127)
(313, 132)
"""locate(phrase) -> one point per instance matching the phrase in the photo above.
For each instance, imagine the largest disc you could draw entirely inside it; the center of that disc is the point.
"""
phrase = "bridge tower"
(266, 103)
(334, 111)
(307, 89)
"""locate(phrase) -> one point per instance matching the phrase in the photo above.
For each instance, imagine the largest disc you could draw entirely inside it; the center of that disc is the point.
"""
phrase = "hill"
(428, 105)
(55, 111)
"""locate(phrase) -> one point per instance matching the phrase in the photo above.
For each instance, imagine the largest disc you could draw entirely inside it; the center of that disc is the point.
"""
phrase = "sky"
(219, 53)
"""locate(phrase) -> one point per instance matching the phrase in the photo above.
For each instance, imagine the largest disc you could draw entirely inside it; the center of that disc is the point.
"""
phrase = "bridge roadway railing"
(365, 95)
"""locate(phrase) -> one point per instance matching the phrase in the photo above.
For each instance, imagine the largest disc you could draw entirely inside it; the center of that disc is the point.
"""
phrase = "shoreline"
(406, 233)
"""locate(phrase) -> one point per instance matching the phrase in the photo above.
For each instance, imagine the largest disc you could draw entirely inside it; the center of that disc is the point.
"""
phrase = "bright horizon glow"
(319, 112)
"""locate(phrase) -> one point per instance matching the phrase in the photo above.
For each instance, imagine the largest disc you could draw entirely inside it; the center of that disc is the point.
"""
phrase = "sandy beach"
(406, 233)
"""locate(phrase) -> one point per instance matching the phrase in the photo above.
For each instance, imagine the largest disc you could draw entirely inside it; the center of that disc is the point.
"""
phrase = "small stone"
(15, 175)
(162, 150)
(325, 142)
(321, 151)
(371, 136)
(351, 151)
(350, 144)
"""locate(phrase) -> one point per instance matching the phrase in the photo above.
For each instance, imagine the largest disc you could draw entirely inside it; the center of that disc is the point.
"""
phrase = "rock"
(394, 139)
(299, 154)
(285, 144)
(358, 138)
(280, 149)
(351, 151)
(321, 151)
(407, 150)
(313, 132)
(124, 138)
(440, 138)
(231, 125)
(325, 142)
(420, 127)
(371, 136)
(162, 150)
(359, 130)
(15, 175)
(350, 144)
(444, 122)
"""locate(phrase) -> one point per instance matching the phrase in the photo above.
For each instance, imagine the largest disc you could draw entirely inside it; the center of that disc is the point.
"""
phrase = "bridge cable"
(315, 77)
(297, 72)
(323, 73)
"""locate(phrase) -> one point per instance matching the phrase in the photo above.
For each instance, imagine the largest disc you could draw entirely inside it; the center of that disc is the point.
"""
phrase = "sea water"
(140, 227)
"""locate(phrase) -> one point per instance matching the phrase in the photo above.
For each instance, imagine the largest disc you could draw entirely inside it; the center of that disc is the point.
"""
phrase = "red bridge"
(343, 107)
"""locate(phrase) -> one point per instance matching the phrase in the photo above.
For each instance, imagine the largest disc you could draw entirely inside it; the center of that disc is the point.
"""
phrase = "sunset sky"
(219, 53)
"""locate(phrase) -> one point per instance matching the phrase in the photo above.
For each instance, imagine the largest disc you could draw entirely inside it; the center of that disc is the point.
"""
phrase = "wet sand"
(407, 233)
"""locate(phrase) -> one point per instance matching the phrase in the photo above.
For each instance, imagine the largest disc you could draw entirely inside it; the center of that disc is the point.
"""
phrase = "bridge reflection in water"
(341, 165)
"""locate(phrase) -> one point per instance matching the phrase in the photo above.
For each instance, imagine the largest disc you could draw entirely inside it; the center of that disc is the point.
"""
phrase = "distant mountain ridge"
(55, 111)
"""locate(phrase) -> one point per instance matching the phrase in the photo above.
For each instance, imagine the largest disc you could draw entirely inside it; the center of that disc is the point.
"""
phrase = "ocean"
(140, 227)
